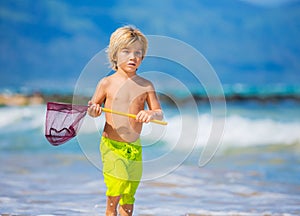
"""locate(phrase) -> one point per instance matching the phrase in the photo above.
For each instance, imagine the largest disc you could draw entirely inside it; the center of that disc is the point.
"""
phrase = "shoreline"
(19, 99)
(217, 189)
(32, 99)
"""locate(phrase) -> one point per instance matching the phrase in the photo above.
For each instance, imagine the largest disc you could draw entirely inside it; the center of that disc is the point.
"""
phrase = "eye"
(138, 53)
(124, 51)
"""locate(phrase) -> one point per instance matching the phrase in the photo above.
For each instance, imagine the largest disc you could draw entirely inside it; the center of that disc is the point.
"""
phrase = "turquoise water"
(255, 171)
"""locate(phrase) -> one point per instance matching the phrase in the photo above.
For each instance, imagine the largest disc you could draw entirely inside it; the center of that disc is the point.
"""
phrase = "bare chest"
(128, 93)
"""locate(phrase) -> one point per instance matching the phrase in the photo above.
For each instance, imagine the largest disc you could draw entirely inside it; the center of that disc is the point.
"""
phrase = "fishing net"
(63, 121)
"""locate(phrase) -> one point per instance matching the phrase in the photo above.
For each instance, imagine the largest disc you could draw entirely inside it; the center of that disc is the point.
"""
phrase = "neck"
(126, 74)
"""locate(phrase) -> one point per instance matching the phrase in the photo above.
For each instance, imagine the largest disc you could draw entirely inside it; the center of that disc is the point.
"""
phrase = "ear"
(115, 64)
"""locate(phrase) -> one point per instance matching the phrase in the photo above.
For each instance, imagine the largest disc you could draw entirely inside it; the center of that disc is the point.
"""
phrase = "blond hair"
(121, 38)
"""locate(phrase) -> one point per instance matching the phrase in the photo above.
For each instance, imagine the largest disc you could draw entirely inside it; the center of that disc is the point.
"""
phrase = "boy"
(124, 91)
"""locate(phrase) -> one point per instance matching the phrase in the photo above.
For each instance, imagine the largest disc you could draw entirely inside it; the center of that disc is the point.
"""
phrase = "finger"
(148, 119)
(139, 116)
(140, 119)
(94, 109)
(98, 109)
(144, 118)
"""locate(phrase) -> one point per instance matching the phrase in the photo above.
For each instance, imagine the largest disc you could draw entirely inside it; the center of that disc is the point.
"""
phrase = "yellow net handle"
(132, 116)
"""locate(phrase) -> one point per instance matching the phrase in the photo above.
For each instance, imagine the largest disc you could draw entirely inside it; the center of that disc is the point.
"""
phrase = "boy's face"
(130, 57)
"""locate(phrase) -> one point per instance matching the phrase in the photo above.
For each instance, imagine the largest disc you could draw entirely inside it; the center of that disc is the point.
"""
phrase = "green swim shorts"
(122, 168)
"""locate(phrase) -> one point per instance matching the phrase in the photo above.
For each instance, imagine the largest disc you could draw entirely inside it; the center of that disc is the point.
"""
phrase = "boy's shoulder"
(105, 82)
(142, 81)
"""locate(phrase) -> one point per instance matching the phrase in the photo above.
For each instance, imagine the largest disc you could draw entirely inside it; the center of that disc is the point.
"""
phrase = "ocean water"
(255, 170)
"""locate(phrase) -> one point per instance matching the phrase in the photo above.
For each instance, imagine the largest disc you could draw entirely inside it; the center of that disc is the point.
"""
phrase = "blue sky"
(48, 42)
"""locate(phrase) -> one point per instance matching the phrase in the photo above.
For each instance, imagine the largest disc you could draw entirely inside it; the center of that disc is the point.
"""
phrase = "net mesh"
(63, 121)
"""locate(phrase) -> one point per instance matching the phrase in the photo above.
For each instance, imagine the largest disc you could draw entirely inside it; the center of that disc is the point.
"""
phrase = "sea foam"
(238, 130)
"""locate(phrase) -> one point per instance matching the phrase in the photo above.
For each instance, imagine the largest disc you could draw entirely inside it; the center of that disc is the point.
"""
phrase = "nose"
(132, 55)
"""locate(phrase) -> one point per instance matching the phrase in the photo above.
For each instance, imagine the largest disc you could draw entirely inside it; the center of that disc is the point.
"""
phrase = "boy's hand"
(94, 110)
(146, 116)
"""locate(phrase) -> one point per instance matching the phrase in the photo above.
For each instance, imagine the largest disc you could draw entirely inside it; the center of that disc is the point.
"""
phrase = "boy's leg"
(111, 205)
(126, 210)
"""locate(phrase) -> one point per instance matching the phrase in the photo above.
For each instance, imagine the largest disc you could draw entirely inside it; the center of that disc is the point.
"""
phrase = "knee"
(127, 199)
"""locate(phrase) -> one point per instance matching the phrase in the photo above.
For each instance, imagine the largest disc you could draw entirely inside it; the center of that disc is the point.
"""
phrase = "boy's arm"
(154, 112)
(98, 98)
(154, 106)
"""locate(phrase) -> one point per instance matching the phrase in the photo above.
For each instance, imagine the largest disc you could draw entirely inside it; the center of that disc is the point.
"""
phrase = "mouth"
(132, 64)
